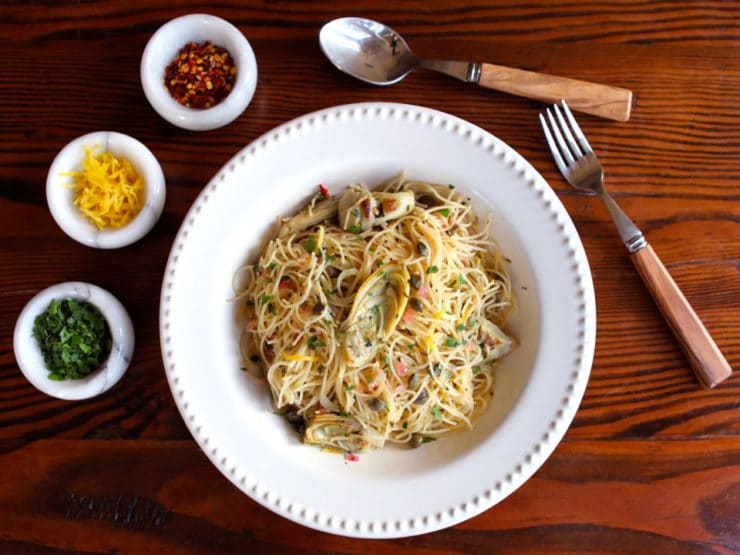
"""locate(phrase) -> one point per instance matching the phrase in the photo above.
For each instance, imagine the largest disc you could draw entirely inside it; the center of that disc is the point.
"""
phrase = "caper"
(416, 441)
(376, 403)
(421, 397)
(415, 281)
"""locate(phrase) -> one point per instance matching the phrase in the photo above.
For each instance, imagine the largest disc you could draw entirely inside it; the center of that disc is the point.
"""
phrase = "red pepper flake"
(351, 457)
(201, 75)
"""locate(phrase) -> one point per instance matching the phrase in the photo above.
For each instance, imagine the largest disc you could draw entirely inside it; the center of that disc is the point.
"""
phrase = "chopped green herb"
(476, 370)
(350, 387)
(356, 212)
(445, 212)
(452, 342)
(460, 327)
(271, 266)
(427, 439)
(461, 279)
(432, 270)
(264, 299)
(314, 342)
(331, 258)
(310, 244)
(354, 228)
(436, 412)
(74, 338)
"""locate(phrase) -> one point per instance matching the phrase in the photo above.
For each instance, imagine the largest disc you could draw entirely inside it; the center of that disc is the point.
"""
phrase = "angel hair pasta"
(377, 315)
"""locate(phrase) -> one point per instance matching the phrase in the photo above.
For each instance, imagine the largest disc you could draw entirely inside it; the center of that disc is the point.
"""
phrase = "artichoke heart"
(332, 431)
(378, 306)
(309, 217)
(433, 194)
(359, 209)
(495, 342)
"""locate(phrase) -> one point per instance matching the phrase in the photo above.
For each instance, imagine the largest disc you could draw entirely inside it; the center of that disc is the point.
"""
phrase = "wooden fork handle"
(592, 98)
(702, 352)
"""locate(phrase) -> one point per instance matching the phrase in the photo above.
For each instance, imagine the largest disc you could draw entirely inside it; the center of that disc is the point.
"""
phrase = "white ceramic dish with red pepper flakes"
(163, 48)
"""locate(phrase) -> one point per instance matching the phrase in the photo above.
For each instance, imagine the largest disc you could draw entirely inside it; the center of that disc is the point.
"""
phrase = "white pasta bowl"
(28, 353)
(60, 194)
(162, 48)
(395, 491)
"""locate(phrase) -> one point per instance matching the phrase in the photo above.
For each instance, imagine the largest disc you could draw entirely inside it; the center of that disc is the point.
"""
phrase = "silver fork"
(581, 168)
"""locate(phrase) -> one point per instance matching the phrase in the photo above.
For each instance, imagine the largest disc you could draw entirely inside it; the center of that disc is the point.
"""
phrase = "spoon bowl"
(376, 54)
(367, 50)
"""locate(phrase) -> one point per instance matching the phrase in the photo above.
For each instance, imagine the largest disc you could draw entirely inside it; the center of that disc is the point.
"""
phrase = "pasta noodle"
(376, 316)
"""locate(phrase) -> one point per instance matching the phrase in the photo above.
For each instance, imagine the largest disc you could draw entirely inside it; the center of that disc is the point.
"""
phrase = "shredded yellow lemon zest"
(301, 358)
(430, 342)
(320, 238)
(108, 191)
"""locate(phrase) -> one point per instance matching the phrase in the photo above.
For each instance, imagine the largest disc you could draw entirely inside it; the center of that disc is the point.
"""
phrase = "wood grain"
(706, 360)
(650, 463)
(605, 101)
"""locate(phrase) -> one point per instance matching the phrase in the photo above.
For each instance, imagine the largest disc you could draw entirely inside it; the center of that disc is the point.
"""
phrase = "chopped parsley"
(452, 342)
(436, 412)
(314, 342)
(354, 228)
(432, 270)
(310, 244)
(74, 338)
(264, 299)
(445, 212)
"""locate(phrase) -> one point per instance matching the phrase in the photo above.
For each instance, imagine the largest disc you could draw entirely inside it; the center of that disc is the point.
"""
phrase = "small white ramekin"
(60, 196)
(28, 353)
(162, 48)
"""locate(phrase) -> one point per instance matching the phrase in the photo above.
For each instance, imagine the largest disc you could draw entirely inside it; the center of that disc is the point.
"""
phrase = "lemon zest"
(108, 191)
(300, 358)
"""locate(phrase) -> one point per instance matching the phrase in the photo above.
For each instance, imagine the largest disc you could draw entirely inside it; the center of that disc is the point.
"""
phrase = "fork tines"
(565, 139)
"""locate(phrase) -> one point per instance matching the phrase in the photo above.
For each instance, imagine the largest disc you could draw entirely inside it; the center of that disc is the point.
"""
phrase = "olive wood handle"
(704, 356)
(592, 98)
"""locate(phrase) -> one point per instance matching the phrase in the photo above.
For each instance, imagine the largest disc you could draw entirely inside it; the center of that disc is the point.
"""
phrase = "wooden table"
(651, 463)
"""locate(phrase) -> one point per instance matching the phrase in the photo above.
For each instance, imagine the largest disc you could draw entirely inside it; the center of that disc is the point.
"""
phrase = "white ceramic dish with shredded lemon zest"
(60, 192)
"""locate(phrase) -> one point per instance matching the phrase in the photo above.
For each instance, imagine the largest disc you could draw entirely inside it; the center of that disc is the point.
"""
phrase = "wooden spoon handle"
(704, 356)
(592, 98)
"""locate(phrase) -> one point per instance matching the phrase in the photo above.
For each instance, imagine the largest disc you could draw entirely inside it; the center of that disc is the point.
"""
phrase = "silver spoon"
(376, 54)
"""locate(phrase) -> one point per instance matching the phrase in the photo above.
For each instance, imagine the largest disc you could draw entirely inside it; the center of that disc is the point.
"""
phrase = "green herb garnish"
(436, 412)
(354, 228)
(445, 212)
(314, 342)
(74, 338)
(432, 270)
